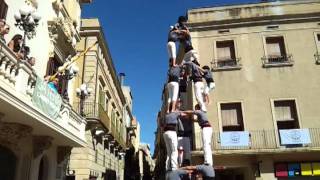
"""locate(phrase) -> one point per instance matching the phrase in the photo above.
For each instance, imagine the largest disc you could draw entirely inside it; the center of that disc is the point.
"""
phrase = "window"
(101, 96)
(3, 9)
(226, 55)
(276, 50)
(225, 50)
(275, 47)
(113, 117)
(231, 117)
(96, 156)
(52, 67)
(317, 54)
(286, 114)
(104, 159)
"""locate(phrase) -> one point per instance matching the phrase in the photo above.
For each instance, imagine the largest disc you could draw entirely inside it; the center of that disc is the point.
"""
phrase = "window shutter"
(229, 117)
(224, 53)
(283, 113)
(273, 49)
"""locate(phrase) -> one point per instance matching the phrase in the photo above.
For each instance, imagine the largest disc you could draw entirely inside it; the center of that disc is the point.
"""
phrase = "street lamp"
(70, 72)
(27, 19)
(83, 92)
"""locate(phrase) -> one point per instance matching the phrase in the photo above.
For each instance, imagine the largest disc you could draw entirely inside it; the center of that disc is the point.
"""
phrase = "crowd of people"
(20, 50)
(178, 167)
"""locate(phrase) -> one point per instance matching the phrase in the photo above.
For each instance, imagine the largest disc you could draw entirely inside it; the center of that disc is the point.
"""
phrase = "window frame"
(317, 43)
(238, 65)
(290, 62)
(276, 130)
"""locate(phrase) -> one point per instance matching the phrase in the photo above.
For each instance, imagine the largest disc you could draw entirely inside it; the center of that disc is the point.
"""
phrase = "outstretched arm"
(190, 168)
(186, 113)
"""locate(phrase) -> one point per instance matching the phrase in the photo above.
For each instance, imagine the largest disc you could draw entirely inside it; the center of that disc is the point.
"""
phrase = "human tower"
(178, 158)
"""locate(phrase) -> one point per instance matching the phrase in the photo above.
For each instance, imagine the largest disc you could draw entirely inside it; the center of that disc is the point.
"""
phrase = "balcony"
(260, 141)
(317, 57)
(26, 99)
(94, 111)
(277, 61)
(226, 64)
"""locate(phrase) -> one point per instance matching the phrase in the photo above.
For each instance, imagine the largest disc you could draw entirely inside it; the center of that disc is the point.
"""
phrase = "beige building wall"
(255, 85)
(104, 108)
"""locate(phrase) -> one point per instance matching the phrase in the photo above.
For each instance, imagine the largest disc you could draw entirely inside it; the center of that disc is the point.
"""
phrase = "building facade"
(108, 109)
(264, 108)
(38, 127)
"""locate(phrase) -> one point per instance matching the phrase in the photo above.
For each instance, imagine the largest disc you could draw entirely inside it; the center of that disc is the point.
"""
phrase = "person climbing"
(174, 74)
(179, 174)
(184, 138)
(196, 77)
(206, 131)
(171, 140)
(184, 34)
(178, 32)
(207, 75)
(205, 171)
(171, 45)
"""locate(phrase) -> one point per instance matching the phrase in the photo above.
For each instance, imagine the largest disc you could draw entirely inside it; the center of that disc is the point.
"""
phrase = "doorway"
(7, 164)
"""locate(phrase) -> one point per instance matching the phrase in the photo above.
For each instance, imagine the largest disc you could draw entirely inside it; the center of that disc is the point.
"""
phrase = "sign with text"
(46, 99)
(295, 136)
(235, 138)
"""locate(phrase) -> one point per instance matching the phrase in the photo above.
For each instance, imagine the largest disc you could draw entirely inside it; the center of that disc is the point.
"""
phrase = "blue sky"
(136, 32)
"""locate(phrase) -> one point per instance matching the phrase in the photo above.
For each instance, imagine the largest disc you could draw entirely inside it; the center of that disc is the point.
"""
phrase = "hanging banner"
(295, 136)
(46, 99)
(235, 138)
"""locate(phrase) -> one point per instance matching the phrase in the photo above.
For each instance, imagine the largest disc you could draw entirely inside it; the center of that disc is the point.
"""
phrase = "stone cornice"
(257, 21)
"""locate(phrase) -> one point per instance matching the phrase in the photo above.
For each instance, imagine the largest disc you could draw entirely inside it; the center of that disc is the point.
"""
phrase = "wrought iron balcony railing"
(276, 61)
(226, 64)
(259, 141)
(95, 111)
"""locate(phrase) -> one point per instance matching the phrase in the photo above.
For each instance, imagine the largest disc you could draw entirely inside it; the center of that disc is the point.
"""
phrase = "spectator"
(31, 61)
(2, 23)
(16, 45)
(25, 51)
(4, 30)
(53, 85)
(46, 78)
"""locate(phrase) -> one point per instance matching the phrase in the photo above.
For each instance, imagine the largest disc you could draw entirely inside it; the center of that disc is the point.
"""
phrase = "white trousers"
(206, 139)
(190, 56)
(198, 91)
(173, 91)
(171, 46)
(209, 88)
(184, 142)
(171, 141)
